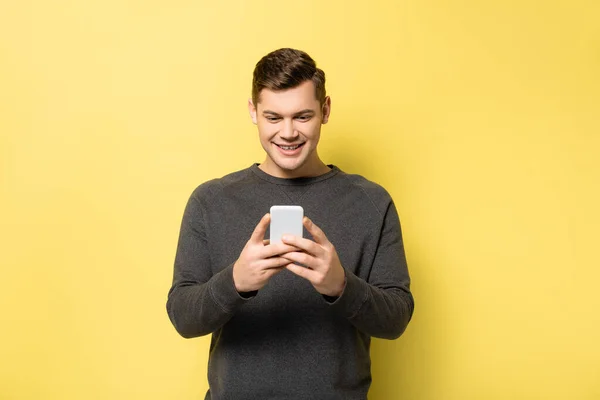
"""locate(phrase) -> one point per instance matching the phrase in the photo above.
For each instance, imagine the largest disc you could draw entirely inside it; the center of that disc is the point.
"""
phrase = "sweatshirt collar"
(294, 181)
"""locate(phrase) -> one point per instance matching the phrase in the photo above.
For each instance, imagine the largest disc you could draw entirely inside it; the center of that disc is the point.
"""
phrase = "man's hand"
(259, 260)
(322, 264)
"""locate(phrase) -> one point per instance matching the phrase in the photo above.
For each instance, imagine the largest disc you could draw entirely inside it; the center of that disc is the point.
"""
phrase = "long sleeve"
(382, 306)
(199, 302)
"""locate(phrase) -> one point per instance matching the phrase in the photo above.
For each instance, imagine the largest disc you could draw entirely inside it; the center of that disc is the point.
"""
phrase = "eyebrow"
(306, 111)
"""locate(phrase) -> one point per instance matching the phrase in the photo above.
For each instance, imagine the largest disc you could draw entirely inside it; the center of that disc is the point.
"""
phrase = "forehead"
(289, 101)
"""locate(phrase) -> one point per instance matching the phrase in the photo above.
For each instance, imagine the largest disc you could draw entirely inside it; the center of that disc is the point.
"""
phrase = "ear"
(326, 109)
(252, 111)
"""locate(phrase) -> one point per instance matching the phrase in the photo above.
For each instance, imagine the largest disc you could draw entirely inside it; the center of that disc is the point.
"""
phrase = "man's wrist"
(342, 288)
(333, 297)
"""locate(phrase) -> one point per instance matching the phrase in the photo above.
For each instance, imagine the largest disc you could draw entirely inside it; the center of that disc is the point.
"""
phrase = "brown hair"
(285, 69)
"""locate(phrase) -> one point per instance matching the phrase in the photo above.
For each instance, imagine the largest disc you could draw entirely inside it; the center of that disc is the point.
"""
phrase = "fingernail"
(285, 237)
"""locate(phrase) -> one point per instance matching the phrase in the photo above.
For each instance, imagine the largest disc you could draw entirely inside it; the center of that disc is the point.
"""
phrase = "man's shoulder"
(363, 183)
(215, 187)
(375, 192)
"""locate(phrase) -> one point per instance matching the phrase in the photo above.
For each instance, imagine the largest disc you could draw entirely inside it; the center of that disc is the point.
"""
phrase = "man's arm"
(381, 307)
(198, 302)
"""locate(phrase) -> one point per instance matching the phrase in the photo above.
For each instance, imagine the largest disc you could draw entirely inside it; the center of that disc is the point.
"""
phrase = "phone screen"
(285, 220)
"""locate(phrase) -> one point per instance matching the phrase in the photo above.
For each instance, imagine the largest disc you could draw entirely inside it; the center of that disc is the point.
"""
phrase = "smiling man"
(289, 125)
(281, 330)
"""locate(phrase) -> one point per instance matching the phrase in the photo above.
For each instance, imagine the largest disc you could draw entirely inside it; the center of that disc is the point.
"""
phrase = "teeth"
(289, 147)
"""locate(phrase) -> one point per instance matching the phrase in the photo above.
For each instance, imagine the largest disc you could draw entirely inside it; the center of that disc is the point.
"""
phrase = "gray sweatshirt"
(287, 341)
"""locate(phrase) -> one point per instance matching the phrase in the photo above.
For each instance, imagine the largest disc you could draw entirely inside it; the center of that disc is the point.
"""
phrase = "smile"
(294, 147)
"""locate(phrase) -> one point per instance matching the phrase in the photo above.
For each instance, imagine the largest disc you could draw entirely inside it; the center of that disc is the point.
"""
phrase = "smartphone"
(285, 220)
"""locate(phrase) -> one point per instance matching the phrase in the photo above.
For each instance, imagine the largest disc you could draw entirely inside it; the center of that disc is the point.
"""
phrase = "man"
(281, 330)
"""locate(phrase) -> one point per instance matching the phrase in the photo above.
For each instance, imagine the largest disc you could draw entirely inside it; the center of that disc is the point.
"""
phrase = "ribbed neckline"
(294, 181)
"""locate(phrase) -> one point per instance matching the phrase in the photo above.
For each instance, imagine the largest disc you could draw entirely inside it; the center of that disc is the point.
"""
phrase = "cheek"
(266, 131)
(312, 131)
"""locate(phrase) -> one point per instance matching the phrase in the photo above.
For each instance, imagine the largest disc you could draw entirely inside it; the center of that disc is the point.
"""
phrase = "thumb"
(259, 232)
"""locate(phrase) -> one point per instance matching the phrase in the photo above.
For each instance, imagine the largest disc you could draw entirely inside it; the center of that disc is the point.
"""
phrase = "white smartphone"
(285, 220)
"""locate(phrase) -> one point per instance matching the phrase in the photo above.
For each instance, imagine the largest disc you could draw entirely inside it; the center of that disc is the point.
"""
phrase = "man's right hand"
(259, 261)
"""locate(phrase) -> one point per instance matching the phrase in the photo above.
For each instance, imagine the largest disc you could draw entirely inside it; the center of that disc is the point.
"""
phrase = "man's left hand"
(322, 267)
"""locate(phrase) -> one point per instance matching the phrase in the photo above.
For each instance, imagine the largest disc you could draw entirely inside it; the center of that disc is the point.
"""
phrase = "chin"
(289, 166)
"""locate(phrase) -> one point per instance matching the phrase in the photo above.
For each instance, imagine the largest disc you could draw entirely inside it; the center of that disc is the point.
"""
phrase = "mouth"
(289, 147)
(290, 150)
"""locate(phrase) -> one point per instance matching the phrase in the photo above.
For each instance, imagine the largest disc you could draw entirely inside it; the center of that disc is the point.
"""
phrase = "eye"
(303, 118)
(272, 119)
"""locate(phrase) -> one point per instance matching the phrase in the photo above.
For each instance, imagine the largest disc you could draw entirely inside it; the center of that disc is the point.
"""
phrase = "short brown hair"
(285, 69)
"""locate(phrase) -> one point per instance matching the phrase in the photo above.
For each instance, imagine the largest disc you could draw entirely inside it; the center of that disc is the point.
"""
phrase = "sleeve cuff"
(353, 296)
(224, 293)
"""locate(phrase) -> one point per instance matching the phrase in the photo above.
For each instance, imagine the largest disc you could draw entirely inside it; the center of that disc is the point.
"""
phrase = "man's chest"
(353, 232)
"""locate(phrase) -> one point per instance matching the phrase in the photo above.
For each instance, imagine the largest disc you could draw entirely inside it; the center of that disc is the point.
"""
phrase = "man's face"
(289, 127)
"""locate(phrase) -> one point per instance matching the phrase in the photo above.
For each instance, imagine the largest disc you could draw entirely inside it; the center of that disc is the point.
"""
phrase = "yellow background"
(482, 119)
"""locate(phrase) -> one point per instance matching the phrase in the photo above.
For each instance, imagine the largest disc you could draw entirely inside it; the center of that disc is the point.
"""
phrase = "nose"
(288, 131)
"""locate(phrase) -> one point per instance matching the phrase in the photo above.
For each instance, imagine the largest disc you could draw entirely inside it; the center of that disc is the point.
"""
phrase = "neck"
(316, 168)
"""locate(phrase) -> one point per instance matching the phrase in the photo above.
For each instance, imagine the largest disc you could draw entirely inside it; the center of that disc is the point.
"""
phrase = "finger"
(275, 262)
(304, 244)
(259, 232)
(303, 272)
(302, 258)
(315, 231)
(276, 249)
(266, 242)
